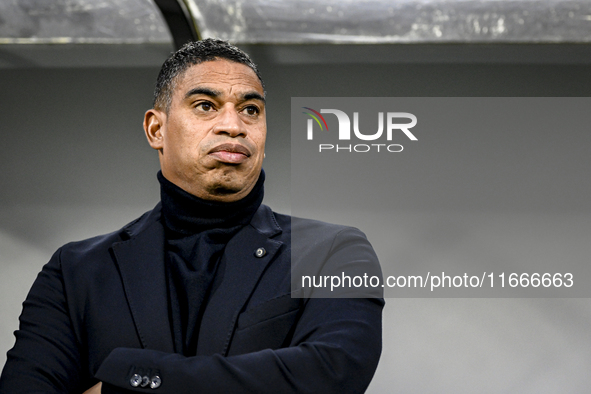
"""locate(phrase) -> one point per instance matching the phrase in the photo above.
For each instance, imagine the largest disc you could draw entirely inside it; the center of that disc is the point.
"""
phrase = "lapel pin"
(260, 252)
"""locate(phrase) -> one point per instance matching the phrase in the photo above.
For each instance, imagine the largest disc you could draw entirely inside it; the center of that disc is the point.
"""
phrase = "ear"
(154, 121)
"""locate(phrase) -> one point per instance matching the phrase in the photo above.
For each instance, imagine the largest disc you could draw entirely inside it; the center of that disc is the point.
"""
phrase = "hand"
(96, 389)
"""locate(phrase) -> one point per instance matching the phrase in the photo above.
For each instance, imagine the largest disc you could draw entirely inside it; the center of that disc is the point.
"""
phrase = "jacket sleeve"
(46, 356)
(335, 349)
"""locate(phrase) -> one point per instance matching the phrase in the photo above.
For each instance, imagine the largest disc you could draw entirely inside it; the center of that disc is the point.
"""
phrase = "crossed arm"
(334, 347)
(338, 355)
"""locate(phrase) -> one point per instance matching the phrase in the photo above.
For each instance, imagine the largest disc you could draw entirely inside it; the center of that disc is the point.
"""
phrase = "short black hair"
(190, 54)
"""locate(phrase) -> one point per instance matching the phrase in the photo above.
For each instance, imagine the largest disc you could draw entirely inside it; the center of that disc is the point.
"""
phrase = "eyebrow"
(205, 91)
(254, 96)
(216, 93)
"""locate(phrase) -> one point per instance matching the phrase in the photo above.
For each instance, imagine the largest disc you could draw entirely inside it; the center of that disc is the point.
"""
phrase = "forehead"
(223, 75)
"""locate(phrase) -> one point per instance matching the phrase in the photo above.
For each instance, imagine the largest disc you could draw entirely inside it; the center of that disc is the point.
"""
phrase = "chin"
(226, 192)
(231, 186)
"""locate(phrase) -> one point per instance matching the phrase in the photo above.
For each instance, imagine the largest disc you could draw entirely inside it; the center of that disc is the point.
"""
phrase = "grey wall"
(75, 163)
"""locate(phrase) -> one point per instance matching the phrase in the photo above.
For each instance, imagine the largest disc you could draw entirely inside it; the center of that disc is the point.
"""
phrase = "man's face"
(212, 141)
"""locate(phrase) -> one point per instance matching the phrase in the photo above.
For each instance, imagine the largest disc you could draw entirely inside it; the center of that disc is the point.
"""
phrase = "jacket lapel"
(242, 267)
(141, 263)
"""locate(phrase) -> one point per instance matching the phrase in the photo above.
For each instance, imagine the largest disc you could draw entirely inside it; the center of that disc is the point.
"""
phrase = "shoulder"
(308, 232)
(98, 247)
(310, 237)
(267, 218)
(330, 252)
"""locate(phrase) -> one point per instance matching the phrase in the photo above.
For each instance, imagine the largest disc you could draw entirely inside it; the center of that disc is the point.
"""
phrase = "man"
(196, 295)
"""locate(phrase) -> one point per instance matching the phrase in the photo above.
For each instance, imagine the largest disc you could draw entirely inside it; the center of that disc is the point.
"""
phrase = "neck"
(185, 214)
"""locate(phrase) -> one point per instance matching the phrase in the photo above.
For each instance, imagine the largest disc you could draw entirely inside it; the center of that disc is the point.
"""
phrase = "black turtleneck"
(196, 233)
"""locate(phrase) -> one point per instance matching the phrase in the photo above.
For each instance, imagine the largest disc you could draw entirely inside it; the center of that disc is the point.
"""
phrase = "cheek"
(261, 138)
(183, 143)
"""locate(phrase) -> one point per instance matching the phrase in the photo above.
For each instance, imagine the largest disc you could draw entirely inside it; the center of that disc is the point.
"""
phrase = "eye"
(205, 106)
(251, 110)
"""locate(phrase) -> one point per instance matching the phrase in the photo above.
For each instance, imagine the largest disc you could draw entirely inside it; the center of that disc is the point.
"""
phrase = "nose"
(229, 122)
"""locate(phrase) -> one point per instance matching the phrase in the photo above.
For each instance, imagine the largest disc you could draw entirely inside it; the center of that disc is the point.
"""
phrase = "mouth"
(230, 153)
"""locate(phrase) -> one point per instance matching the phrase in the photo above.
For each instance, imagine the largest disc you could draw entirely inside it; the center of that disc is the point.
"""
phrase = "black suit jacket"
(99, 311)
